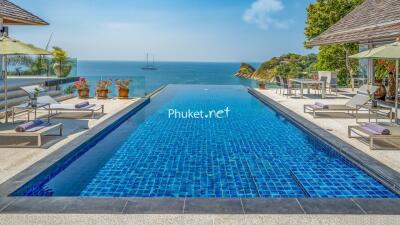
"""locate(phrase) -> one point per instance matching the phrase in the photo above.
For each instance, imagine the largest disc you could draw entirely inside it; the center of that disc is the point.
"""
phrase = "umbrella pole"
(4, 59)
(397, 90)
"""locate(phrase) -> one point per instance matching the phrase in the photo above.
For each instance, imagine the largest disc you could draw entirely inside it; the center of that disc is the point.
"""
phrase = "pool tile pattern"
(254, 152)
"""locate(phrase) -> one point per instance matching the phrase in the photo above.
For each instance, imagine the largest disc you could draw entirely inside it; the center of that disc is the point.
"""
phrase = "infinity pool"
(208, 141)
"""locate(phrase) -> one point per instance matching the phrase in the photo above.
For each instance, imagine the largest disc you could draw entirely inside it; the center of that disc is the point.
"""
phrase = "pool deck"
(156, 219)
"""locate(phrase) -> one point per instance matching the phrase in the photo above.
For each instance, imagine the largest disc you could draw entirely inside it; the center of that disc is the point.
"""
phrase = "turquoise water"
(167, 73)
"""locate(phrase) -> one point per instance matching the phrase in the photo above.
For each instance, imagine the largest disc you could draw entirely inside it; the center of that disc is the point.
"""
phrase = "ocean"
(145, 81)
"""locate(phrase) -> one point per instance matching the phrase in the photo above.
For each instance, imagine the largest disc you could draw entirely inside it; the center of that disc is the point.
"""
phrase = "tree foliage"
(59, 55)
(289, 65)
(320, 16)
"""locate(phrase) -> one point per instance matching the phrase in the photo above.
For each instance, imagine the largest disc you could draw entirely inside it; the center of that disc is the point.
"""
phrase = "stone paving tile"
(37, 205)
(96, 206)
(330, 206)
(4, 202)
(271, 206)
(380, 206)
(155, 206)
(214, 206)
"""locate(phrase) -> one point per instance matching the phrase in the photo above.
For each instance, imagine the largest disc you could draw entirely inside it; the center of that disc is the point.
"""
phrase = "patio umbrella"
(389, 51)
(9, 46)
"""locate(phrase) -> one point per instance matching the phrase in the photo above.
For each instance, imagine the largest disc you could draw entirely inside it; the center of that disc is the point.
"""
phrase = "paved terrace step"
(55, 94)
(13, 94)
(18, 100)
(17, 86)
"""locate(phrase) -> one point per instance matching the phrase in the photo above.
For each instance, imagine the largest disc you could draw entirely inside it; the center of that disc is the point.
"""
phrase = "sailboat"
(149, 66)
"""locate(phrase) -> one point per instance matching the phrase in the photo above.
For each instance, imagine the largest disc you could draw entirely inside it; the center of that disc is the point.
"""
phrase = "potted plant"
(380, 74)
(36, 93)
(83, 88)
(261, 84)
(61, 66)
(391, 69)
(123, 88)
(102, 88)
(371, 96)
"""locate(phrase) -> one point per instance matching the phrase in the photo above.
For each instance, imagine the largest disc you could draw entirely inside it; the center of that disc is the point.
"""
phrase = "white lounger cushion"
(364, 89)
(357, 100)
(46, 100)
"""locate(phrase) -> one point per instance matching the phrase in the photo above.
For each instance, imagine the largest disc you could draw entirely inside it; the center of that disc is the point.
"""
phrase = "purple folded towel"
(82, 105)
(29, 125)
(316, 107)
(320, 105)
(375, 128)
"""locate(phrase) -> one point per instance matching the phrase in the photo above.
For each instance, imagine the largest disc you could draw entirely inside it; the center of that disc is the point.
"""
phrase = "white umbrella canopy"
(389, 51)
(8, 47)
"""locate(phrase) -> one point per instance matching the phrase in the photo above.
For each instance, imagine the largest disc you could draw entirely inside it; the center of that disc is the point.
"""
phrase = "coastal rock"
(246, 70)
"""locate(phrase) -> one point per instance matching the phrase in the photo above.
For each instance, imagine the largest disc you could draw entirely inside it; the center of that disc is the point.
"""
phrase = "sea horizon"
(169, 61)
(145, 81)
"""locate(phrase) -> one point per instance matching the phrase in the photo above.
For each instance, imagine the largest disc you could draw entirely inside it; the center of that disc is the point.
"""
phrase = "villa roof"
(15, 15)
(372, 21)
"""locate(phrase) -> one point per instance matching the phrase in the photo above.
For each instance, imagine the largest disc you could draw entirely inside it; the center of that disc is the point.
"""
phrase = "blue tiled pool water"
(246, 151)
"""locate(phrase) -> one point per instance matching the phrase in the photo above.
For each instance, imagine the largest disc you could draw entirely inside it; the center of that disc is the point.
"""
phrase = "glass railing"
(40, 66)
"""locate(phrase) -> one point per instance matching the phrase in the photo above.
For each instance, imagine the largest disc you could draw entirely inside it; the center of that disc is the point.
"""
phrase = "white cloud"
(260, 13)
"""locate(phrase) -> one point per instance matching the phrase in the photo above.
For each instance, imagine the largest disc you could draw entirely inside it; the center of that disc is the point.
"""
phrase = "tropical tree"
(320, 16)
(61, 65)
(289, 65)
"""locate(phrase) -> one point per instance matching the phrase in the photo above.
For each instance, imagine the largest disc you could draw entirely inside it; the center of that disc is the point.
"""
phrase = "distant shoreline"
(200, 62)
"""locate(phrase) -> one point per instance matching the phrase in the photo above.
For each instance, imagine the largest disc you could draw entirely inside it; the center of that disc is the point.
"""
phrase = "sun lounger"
(374, 132)
(350, 106)
(34, 131)
(30, 90)
(56, 106)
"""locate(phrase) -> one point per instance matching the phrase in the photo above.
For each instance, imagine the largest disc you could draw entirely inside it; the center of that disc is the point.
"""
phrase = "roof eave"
(19, 21)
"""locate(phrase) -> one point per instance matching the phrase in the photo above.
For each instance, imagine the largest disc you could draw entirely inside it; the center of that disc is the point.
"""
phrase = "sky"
(171, 30)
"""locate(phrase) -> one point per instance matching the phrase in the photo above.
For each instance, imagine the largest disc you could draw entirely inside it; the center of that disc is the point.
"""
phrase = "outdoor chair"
(288, 87)
(350, 106)
(375, 132)
(54, 105)
(36, 131)
(366, 89)
(333, 85)
(30, 90)
(317, 88)
(278, 83)
(60, 107)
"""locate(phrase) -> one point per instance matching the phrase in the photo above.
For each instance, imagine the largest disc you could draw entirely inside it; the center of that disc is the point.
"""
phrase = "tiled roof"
(15, 15)
(373, 20)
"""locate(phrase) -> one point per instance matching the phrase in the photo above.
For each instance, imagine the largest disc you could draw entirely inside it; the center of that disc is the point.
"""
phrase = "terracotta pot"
(380, 94)
(123, 93)
(392, 87)
(102, 93)
(261, 85)
(83, 93)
